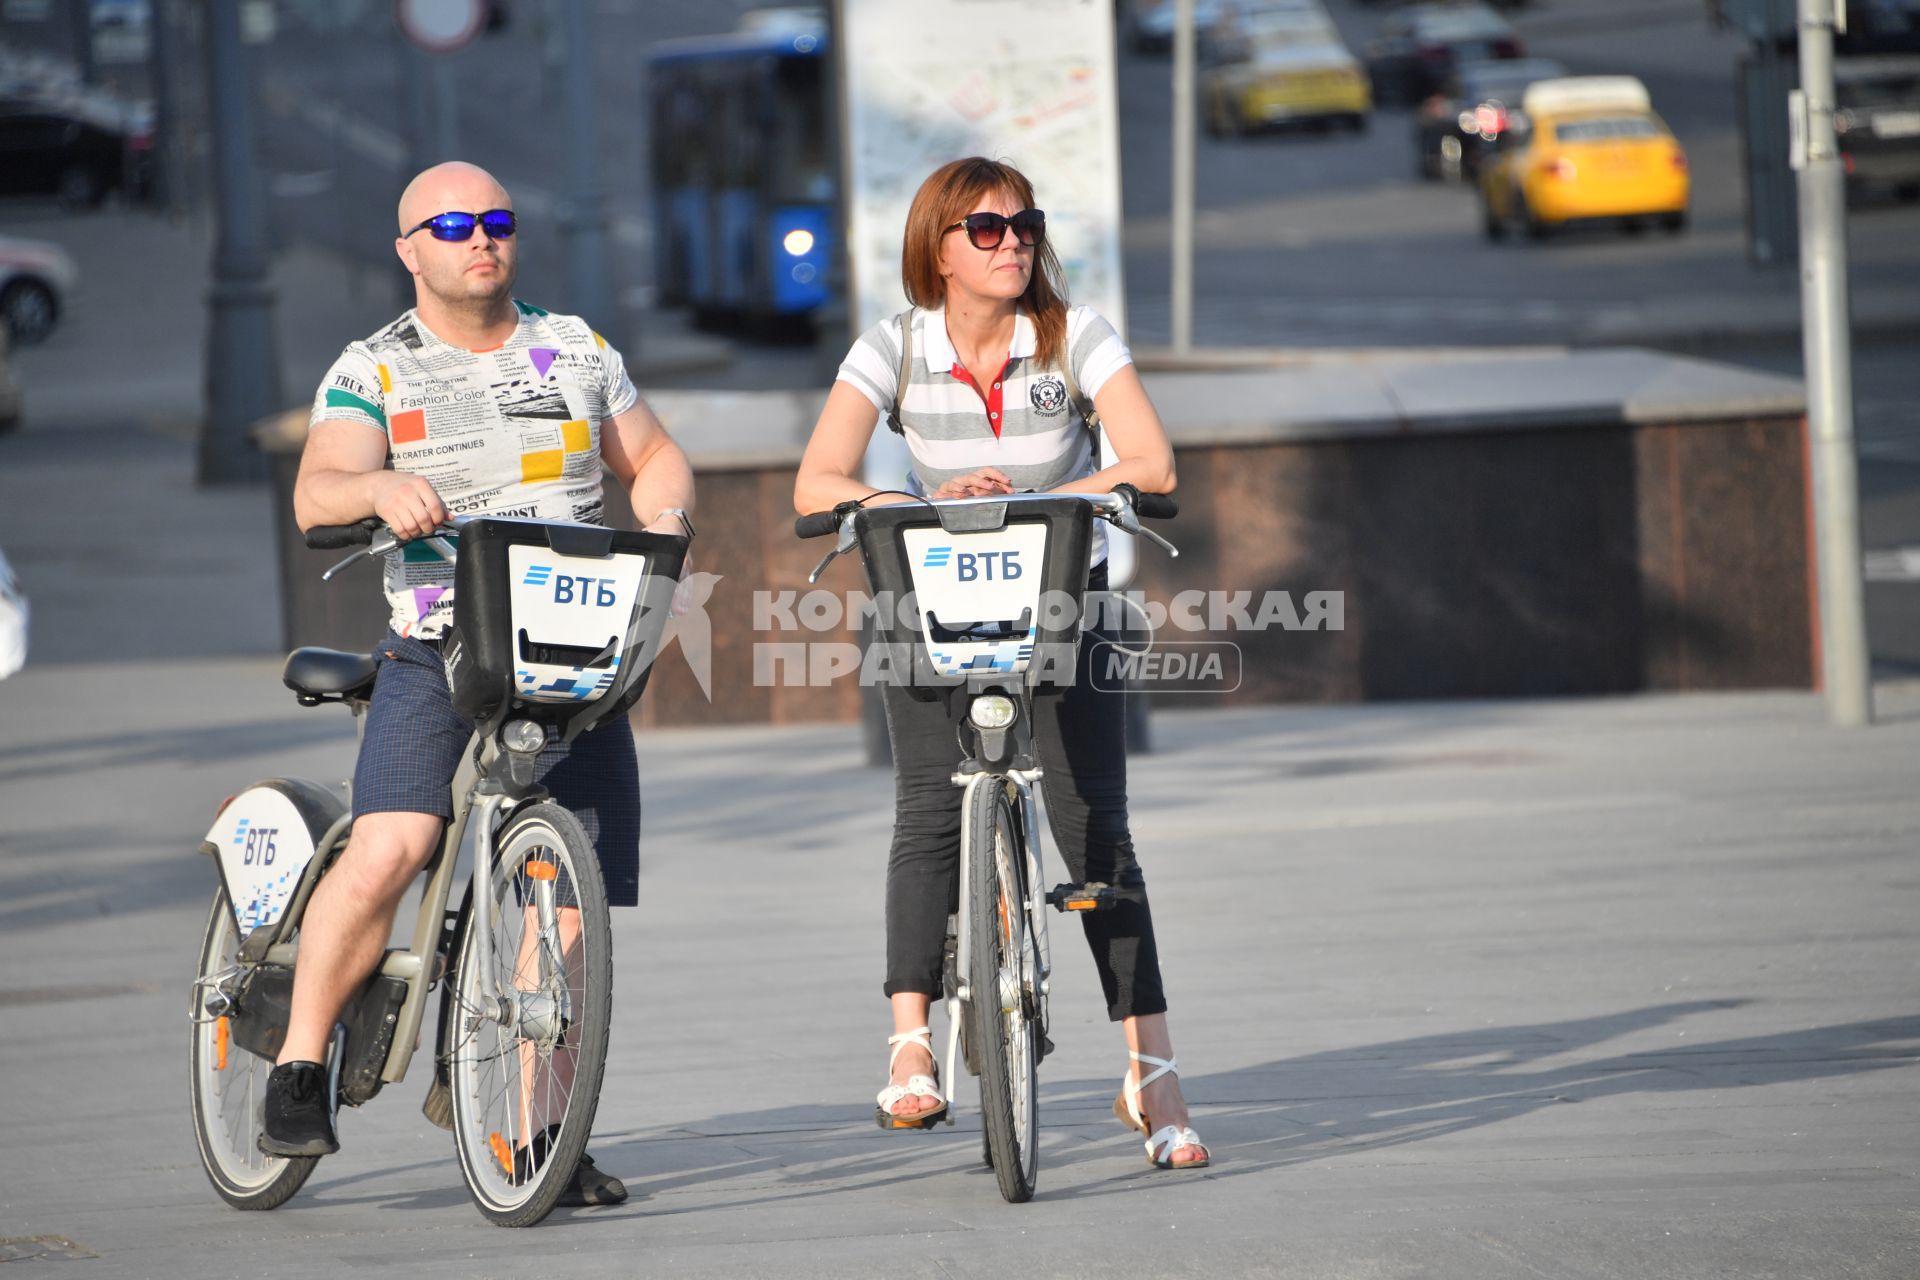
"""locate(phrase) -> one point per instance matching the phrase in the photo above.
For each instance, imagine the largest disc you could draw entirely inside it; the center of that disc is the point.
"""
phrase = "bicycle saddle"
(321, 674)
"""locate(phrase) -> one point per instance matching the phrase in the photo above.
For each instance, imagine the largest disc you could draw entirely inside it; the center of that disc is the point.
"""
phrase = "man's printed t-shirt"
(510, 431)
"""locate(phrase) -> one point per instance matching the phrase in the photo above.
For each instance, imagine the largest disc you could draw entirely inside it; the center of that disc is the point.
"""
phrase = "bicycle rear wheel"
(527, 1040)
(1000, 1009)
(227, 1084)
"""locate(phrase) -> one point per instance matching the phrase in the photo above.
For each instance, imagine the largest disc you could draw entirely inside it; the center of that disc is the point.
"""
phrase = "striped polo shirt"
(1020, 423)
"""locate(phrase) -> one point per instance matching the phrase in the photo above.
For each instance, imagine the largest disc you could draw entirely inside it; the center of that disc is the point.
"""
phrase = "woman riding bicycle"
(986, 411)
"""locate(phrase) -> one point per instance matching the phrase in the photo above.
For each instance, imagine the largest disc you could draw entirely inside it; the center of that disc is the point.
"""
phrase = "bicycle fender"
(264, 842)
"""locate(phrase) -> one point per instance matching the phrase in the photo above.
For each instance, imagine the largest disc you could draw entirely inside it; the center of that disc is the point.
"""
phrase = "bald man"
(473, 403)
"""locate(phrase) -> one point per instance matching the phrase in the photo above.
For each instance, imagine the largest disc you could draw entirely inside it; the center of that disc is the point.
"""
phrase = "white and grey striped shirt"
(1041, 442)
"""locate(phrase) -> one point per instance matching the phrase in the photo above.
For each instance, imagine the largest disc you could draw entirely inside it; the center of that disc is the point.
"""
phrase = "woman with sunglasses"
(986, 411)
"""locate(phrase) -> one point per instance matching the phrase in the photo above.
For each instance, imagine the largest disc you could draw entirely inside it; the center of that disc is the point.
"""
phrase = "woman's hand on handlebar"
(987, 482)
(408, 503)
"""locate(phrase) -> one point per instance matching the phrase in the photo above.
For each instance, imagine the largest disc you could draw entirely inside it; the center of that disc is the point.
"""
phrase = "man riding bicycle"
(474, 403)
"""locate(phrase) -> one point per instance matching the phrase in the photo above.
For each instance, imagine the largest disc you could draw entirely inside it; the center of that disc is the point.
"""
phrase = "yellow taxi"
(1278, 65)
(1584, 148)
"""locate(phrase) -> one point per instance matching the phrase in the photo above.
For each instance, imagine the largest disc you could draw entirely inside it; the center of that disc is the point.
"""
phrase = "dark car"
(1877, 123)
(76, 156)
(1418, 48)
(1455, 129)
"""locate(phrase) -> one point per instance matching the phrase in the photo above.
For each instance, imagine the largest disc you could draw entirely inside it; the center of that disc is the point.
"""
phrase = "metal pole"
(80, 29)
(160, 73)
(1183, 176)
(446, 107)
(242, 359)
(1828, 357)
(583, 217)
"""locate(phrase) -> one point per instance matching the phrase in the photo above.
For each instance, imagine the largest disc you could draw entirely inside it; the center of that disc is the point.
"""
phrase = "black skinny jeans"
(1080, 738)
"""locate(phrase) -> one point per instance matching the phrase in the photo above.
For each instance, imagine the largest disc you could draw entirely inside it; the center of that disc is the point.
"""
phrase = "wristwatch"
(685, 521)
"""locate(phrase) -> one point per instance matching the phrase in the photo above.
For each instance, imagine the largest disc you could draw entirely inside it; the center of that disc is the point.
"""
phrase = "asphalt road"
(1303, 238)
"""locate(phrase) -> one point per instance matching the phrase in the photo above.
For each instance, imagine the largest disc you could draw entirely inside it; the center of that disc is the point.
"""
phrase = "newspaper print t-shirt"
(510, 431)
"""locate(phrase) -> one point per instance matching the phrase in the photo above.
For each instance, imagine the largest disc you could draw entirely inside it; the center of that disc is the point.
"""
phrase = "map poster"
(1030, 82)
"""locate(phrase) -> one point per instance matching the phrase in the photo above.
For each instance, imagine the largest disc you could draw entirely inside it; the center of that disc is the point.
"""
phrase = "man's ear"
(404, 247)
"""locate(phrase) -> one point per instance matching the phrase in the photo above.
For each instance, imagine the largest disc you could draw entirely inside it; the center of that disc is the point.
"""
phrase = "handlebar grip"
(817, 525)
(331, 537)
(1156, 506)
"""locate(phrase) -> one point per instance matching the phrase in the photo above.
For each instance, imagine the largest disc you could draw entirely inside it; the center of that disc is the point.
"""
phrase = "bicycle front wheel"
(1001, 1008)
(528, 1016)
(228, 1085)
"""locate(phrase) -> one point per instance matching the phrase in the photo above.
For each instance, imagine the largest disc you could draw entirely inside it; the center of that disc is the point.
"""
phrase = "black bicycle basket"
(556, 622)
(992, 589)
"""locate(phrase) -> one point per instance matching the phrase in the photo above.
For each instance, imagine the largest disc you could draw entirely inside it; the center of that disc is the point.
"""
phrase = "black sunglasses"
(987, 230)
(497, 223)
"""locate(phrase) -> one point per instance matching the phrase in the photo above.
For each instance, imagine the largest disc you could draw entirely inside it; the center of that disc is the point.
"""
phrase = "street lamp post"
(1183, 93)
(242, 358)
(1827, 354)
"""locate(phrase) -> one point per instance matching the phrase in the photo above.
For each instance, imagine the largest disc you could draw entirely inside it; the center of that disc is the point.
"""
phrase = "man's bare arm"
(655, 472)
(343, 478)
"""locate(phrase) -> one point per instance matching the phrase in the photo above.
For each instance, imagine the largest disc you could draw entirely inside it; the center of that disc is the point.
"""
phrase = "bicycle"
(998, 591)
(555, 629)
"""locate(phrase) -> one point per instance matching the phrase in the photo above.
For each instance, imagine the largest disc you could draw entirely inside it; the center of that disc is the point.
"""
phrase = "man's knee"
(387, 850)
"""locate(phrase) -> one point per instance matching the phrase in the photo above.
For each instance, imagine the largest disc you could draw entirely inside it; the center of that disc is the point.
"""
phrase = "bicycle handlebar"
(331, 537)
(1153, 506)
(817, 525)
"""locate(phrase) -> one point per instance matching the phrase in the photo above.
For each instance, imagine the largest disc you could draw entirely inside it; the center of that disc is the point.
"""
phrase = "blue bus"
(742, 170)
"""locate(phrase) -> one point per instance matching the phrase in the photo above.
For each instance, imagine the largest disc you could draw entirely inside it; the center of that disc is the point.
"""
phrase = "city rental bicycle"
(981, 602)
(555, 628)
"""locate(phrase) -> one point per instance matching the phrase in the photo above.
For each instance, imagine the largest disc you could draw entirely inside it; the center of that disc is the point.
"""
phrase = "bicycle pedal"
(1095, 895)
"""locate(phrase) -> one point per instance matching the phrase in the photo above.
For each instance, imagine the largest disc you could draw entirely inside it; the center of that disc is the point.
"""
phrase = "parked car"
(1584, 148)
(35, 279)
(1418, 48)
(1454, 130)
(1877, 122)
(72, 151)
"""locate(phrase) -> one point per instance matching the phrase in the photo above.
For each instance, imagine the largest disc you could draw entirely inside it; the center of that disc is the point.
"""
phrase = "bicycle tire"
(999, 1010)
(227, 1085)
(517, 1163)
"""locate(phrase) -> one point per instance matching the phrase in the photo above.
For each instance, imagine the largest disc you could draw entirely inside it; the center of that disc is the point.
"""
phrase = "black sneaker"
(299, 1114)
(589, 1187)
(592, 1187)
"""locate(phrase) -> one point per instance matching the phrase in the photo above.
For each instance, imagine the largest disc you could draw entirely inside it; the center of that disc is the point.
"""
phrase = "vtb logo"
(975, 566)
(569, 588)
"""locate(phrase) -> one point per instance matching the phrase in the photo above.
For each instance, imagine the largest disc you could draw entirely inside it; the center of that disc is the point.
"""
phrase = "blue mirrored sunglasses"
(497, 223)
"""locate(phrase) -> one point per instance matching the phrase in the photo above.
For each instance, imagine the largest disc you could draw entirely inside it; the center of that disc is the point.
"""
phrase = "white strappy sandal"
(1173, 1136)
(917, 1086)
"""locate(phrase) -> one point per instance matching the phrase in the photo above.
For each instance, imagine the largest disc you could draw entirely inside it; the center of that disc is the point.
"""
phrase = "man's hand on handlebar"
(408, 503)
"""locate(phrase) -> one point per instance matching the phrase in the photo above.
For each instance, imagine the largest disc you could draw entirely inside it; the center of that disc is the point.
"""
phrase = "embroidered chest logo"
(1049, 396)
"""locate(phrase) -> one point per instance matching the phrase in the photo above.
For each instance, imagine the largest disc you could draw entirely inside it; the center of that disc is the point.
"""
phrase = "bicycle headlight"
(523, 736)
(991, 711)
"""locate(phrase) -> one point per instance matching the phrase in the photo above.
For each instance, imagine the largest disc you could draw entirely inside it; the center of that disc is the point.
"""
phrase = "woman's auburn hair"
(948, 195)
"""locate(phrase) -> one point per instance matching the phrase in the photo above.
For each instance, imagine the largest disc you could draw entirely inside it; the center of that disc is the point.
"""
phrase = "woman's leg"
(922, 867)
(1080, 737)
(1160, 1102)
(1081, 740)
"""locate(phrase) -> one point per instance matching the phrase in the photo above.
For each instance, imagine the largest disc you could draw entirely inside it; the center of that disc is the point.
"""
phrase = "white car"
(35, 279)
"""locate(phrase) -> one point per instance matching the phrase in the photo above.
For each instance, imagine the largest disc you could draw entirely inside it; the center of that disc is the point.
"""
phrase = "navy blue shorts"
(413, 744)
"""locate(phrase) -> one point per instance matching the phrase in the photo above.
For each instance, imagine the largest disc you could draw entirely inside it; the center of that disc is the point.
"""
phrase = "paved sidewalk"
(1602, 988)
